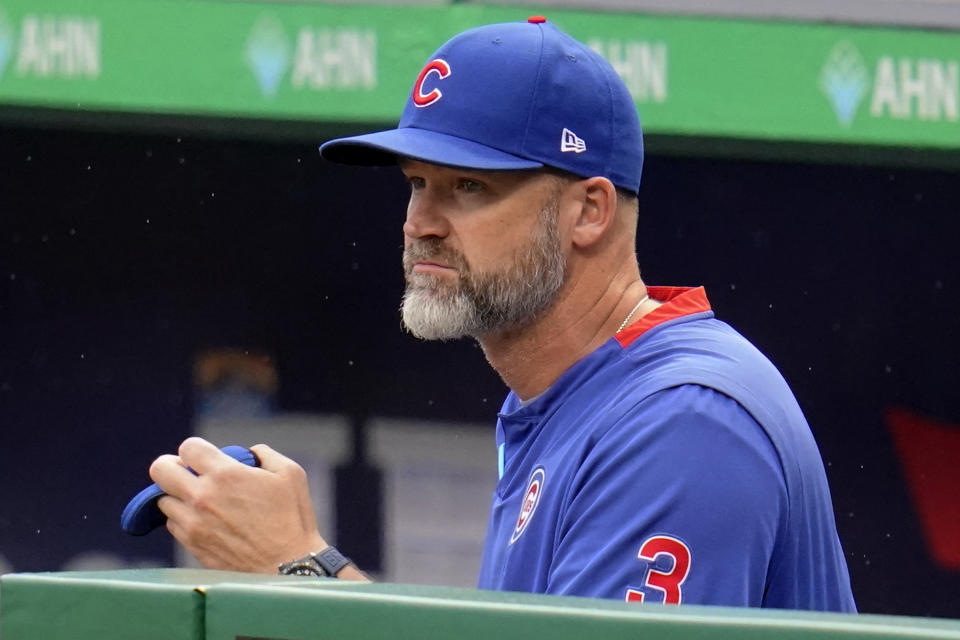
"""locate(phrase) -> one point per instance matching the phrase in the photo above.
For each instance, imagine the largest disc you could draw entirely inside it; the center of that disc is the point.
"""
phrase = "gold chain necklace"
(632, 311)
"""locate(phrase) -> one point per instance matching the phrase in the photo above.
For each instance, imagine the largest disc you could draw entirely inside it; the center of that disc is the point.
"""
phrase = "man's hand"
(236, 517)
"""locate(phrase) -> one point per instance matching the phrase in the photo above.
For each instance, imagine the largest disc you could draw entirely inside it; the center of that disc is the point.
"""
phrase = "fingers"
(203, 457)
(172, 507)
(183, 526)
(171, 476)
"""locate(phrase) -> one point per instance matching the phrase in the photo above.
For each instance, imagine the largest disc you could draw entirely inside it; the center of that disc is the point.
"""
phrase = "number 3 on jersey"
(666, 565)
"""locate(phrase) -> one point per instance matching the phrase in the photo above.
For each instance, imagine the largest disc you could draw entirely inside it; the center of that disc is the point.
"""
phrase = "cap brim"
(383, 148)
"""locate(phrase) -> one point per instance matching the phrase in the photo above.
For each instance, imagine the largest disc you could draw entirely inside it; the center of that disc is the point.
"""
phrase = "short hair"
(625, 197)
(628, 199)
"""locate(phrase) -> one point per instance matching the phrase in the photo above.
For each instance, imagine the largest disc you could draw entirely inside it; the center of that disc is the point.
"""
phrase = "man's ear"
(597, 213)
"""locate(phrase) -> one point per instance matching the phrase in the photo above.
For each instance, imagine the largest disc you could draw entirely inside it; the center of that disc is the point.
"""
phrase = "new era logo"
(569, 141)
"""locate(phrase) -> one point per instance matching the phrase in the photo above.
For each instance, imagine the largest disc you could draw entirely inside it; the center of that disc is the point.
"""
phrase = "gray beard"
(484, 303)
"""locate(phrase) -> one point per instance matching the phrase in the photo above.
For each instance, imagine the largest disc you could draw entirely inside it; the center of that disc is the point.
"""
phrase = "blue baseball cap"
(512, 96)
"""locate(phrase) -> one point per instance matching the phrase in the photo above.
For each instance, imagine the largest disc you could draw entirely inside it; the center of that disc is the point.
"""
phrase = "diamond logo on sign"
(268, 53)
(6, 42)
(845, 81)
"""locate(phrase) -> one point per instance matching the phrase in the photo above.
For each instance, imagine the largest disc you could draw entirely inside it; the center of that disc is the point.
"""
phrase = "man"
(647, 451)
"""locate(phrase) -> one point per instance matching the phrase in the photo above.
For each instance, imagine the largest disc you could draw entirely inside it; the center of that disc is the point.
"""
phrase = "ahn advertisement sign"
(293, 62)
(50, 46)
(890, 87)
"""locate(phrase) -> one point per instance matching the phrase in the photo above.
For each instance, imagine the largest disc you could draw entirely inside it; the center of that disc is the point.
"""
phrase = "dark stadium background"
(122, 256)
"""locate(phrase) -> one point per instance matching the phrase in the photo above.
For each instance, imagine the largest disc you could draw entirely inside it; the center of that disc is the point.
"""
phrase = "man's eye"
(471, 186)
(415, 182)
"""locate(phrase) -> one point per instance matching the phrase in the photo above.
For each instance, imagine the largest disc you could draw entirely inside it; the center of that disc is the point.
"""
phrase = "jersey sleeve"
(681, 501)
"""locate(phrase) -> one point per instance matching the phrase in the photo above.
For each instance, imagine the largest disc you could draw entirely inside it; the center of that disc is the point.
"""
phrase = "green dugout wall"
(194, 605)
(307, 70)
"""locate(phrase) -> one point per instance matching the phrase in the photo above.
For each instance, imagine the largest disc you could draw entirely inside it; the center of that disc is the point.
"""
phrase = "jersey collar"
(677, 302)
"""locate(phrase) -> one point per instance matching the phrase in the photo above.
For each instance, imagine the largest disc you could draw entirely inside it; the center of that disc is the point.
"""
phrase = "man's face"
(482, 250)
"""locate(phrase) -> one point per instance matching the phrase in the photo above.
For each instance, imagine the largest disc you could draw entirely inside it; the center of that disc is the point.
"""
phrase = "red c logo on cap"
(439, 67)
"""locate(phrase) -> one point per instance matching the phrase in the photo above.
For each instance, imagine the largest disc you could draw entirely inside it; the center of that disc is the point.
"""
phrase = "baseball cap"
(512, 96)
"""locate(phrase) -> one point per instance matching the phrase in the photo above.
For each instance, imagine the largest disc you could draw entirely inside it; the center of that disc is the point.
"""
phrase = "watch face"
(325, 564)
(300, 569)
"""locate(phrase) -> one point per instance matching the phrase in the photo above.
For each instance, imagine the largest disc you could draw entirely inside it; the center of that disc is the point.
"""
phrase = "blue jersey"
(671, 465)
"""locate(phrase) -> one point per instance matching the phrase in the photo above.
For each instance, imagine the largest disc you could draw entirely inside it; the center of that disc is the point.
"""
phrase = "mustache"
(432, 249)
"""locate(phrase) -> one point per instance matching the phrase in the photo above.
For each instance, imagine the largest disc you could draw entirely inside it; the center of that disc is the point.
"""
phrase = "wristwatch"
(325, 564)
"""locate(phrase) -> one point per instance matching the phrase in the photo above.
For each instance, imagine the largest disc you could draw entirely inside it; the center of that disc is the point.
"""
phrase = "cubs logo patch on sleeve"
(528, 505)
(666, 563)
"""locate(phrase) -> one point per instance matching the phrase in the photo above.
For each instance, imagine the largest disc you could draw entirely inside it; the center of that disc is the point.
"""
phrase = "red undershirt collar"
(677, 302)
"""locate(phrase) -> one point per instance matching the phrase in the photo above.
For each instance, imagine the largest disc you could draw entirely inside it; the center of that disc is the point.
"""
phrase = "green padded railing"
(178, 604)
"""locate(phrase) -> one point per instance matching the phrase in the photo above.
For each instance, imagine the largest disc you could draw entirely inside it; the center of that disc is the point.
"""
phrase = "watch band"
(326, 563)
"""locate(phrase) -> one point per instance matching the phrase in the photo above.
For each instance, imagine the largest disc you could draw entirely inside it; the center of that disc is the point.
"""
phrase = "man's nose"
(425, 218)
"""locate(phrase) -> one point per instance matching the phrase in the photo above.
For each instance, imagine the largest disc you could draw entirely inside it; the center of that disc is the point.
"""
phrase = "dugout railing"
(184, 604)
